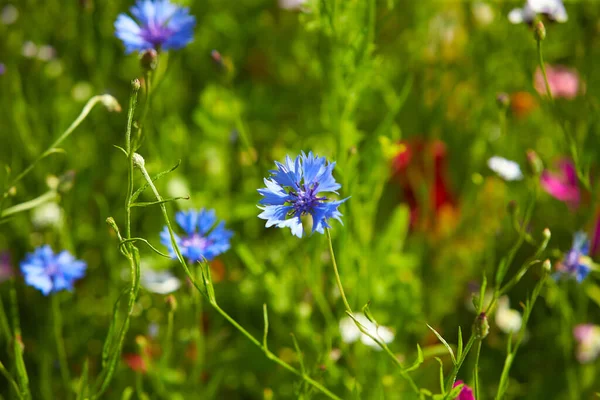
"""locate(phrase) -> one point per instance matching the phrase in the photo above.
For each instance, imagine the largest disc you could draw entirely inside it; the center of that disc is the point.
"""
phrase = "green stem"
(131, 254)
(10, 380)
(22, 377)
(214, 305)
(60, 343)
(28, 205)
(452, 378)
(476, 369)
(84, 113)
(376, 339)
(169, 337)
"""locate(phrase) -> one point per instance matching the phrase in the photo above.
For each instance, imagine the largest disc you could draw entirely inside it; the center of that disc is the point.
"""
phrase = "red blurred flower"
(420, 163)
(522, 103)
(135, 362)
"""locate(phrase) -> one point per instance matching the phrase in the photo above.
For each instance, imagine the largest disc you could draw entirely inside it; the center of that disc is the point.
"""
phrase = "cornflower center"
(156, 34)
(195, 241)
(305, 198)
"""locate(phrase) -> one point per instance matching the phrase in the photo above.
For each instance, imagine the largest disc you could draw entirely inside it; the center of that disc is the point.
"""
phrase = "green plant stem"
(84, 113)
(476, 369)
(216, 307)
(28, 205)
(131, 253)
(22, 377)
(459, 362)
(503, 385)
(376, 339)
(10, 380)
(169, 337)
(568, 137)
(60, 343)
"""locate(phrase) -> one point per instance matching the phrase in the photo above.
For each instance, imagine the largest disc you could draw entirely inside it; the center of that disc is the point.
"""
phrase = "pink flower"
(563, 81)
(466, 393)
(588, 340)
(563, 184)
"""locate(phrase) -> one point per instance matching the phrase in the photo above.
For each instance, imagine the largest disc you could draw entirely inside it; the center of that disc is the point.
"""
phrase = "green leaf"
(444, 343)
(418, 361)
(155, 178)
(460, 344)
(441, 374)
(83, 382)
(153, 203)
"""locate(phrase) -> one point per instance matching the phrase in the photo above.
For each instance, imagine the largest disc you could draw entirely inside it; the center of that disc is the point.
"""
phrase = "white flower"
(508, 319)
(160, 282)
(291, 4)
(47, 215)
(350, 332)
(9, 14)
(506, 169)
(553, 9)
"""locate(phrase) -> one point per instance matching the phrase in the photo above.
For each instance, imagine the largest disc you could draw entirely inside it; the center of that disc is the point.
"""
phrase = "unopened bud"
(546, 232)
(149, 60)
(138, 160)
(547, 266)
(534, 163)
(539, 31)
(135, 84)
(12, 191)
(110, 103)
(171, 302)
(503, 101)
(481, 327)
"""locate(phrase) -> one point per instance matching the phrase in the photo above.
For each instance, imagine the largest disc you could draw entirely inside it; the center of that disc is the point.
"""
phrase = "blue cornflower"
(203, 240)
(51, 273)
(159, 25)
(574, 263)
(295, 189)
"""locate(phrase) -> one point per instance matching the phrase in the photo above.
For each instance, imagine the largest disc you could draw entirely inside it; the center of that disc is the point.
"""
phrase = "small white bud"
(110, 103)
(138, 160)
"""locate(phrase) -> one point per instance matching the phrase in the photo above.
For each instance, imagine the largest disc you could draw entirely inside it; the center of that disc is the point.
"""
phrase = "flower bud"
(547, 266)
(135, 84)
(534, 163)
(110, 103)
(481, 327)
(171, 302)
(217, 58)
(149, 60)
(503, 101)
(539, 31)
(546, 232)
(138, 160)
(141, 341)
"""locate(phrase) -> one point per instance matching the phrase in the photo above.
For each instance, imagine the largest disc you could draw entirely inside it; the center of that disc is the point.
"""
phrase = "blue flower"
(574, 263)
(51, 273)
(159, 25)
(203, 240)
(295, 189)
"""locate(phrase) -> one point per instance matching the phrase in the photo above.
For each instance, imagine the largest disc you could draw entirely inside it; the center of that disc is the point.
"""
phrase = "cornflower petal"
(297, 188)
(203, 240)
(51, 273)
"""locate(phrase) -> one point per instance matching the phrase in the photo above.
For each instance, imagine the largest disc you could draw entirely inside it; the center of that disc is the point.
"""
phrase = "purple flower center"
(572, 260)
(156, 34)
(195, 241)
(304, 199)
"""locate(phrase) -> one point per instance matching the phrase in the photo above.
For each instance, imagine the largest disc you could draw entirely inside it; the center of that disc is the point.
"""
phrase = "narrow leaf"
(444, 343)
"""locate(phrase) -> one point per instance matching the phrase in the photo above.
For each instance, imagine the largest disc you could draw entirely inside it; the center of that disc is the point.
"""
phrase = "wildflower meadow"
(299, 199)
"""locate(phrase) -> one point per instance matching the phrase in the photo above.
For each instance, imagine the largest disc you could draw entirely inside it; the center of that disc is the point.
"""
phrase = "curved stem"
(60, 343)
(214, 305)
(360, 327)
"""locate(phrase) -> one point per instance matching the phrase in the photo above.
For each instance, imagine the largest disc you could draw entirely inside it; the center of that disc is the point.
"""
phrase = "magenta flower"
(588, 342)
(466, 393)
(564, 82)
(595, 246)
(563, 184)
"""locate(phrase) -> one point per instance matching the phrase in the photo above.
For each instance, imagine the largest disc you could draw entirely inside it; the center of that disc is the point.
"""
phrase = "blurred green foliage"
(347, 80)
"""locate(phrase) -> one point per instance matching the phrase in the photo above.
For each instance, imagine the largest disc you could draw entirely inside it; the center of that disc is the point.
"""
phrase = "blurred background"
(401, 94)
